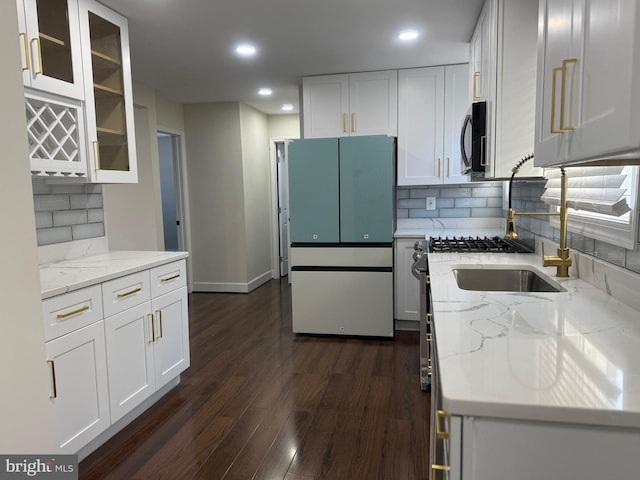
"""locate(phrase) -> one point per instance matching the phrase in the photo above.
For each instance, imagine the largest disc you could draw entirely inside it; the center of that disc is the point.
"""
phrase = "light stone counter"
(572, 356)
(67, 275)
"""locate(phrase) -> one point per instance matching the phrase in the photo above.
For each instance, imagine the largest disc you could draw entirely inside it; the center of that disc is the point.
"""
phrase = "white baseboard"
(232, 287)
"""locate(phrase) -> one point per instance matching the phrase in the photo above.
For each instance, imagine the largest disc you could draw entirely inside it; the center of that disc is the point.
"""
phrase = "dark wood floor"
(259, 402)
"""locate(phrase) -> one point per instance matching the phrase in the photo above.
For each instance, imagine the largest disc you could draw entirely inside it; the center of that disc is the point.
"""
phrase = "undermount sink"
(503, 278)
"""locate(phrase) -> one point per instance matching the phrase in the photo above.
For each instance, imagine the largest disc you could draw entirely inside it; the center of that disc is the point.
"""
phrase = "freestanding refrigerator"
(341, 210)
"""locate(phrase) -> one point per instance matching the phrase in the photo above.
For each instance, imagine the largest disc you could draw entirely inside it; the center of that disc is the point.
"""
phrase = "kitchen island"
(533, 385)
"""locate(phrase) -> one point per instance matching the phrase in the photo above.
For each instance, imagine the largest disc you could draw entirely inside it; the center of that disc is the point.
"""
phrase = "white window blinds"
(602, 190)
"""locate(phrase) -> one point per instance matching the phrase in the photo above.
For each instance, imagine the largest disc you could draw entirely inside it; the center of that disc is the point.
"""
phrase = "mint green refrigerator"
(341, 224)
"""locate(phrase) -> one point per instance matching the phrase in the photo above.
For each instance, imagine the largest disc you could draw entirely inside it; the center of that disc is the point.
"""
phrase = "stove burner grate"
(476, 244)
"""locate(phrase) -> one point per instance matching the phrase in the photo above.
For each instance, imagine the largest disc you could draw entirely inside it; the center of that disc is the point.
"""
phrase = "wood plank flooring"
(259, 402)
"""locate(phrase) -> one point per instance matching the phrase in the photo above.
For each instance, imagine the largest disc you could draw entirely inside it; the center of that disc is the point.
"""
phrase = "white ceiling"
(185, 48)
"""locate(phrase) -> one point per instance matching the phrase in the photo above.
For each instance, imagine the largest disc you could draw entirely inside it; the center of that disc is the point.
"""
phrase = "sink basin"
(504, 278)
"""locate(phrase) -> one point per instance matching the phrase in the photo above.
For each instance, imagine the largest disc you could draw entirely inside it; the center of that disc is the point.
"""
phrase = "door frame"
(275, 221)
(182, 194)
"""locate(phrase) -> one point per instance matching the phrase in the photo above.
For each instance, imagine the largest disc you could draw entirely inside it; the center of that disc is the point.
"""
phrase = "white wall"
(216, 196)
(133, 212)
(170, 114)
(284, 126)
(257, 191)
(24, 404)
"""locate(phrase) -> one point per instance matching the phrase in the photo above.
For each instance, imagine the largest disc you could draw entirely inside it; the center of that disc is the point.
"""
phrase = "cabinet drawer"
(68, 312)
(125, 292)
(166, 278)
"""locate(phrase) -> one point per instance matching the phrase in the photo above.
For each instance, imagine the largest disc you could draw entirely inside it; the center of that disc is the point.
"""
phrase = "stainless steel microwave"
(473, 140)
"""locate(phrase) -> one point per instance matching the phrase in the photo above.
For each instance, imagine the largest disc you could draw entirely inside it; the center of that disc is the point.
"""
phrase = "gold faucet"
(562, 260)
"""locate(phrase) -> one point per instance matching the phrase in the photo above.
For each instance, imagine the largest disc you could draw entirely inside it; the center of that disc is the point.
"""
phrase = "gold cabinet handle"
(554, 80)
(448, 167)
(130, 292)
(37, 40)
(153, 328)
(159, 315)
(442, 468)
(353, 122)
(483, 160)
(565, 62)
(440, 432)
(54, 389)
(438, 168)
(61, 316)
(475, 86)
(344, 123)
(96, 146)
(168, 279)
(25, 43)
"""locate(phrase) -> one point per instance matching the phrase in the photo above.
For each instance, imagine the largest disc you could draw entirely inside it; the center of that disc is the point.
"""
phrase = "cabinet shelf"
(116, 62)
(110, 131)
(51, 39)
(105, 90)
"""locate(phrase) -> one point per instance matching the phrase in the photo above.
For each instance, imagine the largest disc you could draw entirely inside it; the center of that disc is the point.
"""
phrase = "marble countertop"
(572, 356)
(67, 275)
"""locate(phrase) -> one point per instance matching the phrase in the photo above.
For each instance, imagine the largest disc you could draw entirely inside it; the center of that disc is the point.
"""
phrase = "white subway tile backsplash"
(86, 201)
(470, 202)
(89, 230)
(486, 212)
(495, 202)
(413, 203)
(424, 192)
(44, 219)
(421, 213)
(67, 212)
(44, 203)
(445, 202)
(487, 192)
(455, 192)
(47, 236)
(402, 193)
(455, 213)
(69, 217)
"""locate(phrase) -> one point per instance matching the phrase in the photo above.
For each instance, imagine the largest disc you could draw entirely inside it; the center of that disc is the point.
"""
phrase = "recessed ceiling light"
(287, 107)
(245, 50)
(265, 91)
(408, 35)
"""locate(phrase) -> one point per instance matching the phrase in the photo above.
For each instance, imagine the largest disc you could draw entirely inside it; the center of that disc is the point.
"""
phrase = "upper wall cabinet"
(432, 102)
(480, 55)
(509, 88)
(108, 93)
(78, 94)
(588, 101)
(50, 46)
(350, 104)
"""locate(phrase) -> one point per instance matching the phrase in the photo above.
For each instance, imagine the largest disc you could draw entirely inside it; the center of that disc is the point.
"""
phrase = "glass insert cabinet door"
(49, 37)
(109, 100)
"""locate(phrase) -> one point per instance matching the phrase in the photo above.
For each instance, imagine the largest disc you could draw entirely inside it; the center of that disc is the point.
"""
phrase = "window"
(602, 201)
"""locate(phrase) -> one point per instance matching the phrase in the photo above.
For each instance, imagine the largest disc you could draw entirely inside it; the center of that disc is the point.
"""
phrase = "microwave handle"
(465, 125)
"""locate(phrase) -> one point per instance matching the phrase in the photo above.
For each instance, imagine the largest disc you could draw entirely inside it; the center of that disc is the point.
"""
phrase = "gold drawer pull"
(168, 279)
(54, 390)
(84, 308)
(126, 294)
(159, 315)
(440, 433)
(475, 85)
(25, 42)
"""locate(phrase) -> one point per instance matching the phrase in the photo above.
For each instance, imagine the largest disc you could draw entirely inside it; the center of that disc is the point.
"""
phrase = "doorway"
(280, 214)
(169, 151)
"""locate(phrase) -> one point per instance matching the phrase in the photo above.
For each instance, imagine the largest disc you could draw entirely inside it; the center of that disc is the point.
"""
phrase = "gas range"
(476, 244)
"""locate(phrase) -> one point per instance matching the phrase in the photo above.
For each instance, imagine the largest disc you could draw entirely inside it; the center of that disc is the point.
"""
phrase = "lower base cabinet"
(102, 368)
(147, 346)
(79, 389)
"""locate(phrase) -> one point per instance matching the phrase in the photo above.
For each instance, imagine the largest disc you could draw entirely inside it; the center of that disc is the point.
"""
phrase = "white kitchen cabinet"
(108, 93)
(407, 300)
(350, 104)
(147, 342)
(510, 85)
(49, 35)
(75, 352)
(480, 54)
(79, 387)
(432, 103)
(587, 100)
(78, 91)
